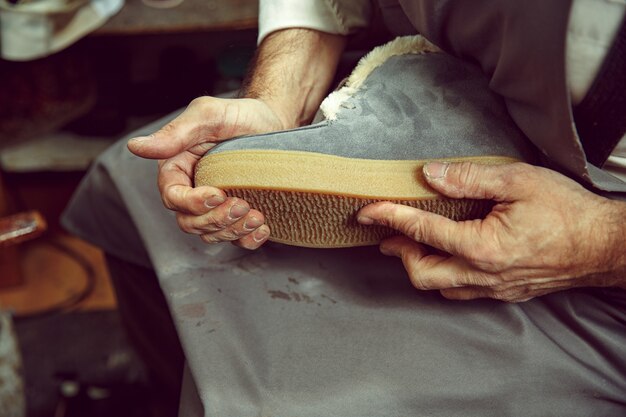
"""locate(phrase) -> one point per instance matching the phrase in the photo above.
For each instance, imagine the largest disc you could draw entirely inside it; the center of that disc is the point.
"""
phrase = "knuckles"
(225, 235)
(466, 177)
(183, 223)
(218, 224)
(202, 102)
(205, 106)
(167, 204)
(391, 217)
(510, 295)
(419, 281)
(210, 239)
(413, 229)
(519, 176)
(512, 292)
(232, 234)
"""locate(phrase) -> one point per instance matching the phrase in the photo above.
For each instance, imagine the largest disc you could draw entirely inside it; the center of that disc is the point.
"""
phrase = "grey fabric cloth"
(304, 332)
(520, 45)
(410, 108)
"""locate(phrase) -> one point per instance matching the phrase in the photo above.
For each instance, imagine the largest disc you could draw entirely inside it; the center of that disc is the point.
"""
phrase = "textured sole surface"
(311, 200)
(329, 221)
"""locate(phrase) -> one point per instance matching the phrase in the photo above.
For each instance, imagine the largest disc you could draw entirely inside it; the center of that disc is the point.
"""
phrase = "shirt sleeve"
(330, 16)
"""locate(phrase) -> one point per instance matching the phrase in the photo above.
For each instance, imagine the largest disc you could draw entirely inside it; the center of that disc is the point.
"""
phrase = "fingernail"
(142, 138)
(214, 201)
(364, 220)
(252, 223)
(261, 233)
(436, 170)
(237, 211)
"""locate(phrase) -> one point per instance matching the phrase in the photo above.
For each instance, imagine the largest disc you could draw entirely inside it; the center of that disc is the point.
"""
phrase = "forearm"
(292, 72)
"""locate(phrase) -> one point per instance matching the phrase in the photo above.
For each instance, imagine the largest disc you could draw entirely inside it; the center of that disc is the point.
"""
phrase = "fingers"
(231, 221)
(421, 265)
(255, 239)
(221, 217)
(422, 226)
(175, 182)
(454, 278)
(472, 293)
(430, 271)
(466, 293)
(240, 235)
(187, 200)
(477, 181)
(237, 232)
(509, 291)
(207, 211)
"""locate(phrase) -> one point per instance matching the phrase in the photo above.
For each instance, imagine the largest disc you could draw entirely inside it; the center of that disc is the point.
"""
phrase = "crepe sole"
(311, 199)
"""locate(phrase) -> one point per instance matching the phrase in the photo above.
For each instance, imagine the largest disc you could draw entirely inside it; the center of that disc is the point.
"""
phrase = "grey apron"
(286, 331)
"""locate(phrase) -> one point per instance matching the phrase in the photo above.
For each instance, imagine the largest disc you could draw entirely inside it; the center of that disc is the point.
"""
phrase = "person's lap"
(293, 331)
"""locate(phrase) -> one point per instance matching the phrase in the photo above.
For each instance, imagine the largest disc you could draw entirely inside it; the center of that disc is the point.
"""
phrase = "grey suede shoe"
(404, 105)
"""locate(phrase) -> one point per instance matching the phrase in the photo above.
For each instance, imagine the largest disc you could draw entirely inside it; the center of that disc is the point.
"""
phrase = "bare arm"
(292, 71)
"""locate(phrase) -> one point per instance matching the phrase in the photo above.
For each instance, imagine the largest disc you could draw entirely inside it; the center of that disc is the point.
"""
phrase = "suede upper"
(416, 106)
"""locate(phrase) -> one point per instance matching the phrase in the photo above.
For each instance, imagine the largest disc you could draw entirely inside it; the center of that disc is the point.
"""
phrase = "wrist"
(283, 111)
(618, 241)
(292, 71)
(612, 243)
(274, 113)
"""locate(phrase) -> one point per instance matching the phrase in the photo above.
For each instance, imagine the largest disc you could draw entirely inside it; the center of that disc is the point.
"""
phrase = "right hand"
(207, 211)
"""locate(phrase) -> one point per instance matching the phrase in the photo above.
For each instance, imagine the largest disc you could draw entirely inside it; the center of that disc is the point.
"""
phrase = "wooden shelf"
(136, 18)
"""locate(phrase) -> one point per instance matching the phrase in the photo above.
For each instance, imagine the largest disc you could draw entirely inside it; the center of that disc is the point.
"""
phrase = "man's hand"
(291, 74)
(545, 233)
(206, 211)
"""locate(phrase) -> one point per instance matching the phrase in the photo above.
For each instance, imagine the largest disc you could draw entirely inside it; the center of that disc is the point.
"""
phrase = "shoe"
(404, 105)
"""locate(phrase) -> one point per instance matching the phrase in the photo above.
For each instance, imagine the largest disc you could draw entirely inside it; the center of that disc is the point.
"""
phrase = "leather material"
(412, 107)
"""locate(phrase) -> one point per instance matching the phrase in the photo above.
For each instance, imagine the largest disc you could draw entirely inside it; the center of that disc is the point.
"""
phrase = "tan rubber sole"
(311, 199)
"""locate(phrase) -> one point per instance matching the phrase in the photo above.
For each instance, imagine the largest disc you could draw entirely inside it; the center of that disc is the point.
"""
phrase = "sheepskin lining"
(400, 46)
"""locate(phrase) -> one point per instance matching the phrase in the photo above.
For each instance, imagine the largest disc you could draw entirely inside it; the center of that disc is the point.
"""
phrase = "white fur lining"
(400, 46)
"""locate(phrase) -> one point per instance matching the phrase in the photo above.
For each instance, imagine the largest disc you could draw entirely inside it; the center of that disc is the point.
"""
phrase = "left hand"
(545, 233)
(179, 145)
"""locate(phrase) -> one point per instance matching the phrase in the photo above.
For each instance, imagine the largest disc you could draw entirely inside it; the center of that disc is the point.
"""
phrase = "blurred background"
(75, 76)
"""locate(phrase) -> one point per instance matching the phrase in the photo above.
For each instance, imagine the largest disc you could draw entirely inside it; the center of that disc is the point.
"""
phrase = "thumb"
(205, 121)
(175, 137)
(470, 180)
